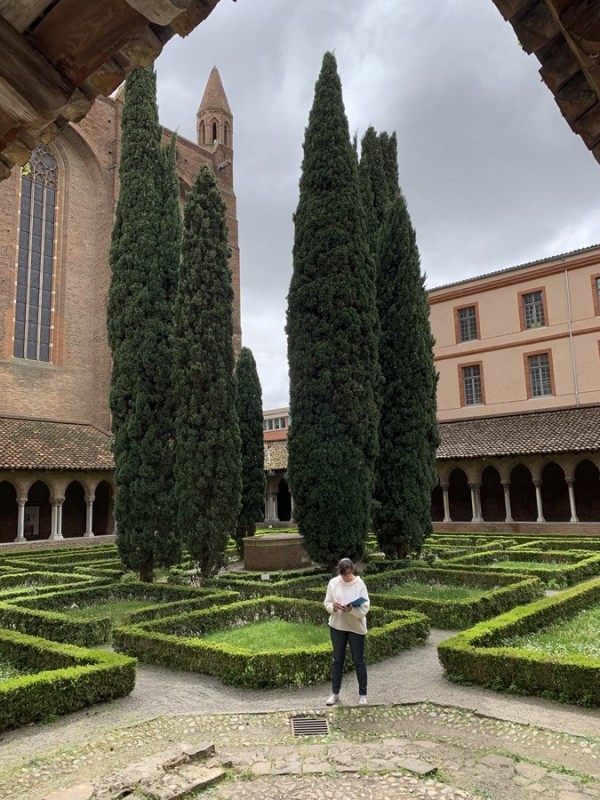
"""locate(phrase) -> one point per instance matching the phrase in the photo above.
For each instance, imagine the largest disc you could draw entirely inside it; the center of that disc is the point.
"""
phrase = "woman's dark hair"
(345, 566)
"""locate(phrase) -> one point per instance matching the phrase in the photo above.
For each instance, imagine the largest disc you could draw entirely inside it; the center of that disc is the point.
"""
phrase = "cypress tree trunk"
(139, 331)
(332, 339)
(207, 453)
(250, 417)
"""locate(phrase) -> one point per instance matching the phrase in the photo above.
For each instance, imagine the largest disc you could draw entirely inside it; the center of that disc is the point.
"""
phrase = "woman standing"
(347, 603)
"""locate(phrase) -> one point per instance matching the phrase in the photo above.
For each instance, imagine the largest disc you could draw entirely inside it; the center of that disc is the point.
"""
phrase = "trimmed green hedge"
(478, 656)
(253, 589)
(504, 591)
(66, 678)
(578, 565)
(176, 642)
(41, 616)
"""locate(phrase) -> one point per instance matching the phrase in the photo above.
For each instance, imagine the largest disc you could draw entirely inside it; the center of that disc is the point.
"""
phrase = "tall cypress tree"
(207, 454)
(250, 418)
(139, 333)
(332, 340)
(374, 185)
(408, 432)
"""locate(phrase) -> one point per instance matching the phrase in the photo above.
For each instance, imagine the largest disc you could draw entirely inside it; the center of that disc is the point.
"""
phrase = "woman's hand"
(337, 606)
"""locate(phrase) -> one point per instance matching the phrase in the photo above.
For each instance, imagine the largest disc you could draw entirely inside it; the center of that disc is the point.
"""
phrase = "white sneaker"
(332, 699)
(362, 700)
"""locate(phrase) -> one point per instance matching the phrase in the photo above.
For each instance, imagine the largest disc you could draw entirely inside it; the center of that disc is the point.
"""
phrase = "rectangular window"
(540, 380)
(596, 284)
(533, 309)
(471, 383)
(467, 323)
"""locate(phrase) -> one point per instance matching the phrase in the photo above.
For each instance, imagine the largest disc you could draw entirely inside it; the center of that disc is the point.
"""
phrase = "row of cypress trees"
(187, 436)
(362, 377)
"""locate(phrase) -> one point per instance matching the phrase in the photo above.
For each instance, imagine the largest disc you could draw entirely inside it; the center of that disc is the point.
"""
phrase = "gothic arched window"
(226, 141)
(214, 132)
(202, 134)
(35, 260)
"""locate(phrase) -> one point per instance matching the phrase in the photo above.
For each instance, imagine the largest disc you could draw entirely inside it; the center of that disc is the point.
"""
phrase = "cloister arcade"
(55, 505)
(552, 488)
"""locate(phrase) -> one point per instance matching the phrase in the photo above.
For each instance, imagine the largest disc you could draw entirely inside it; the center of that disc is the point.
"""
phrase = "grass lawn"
(261, 637)
(515, 566)
(579, 635)
(434, 591)
(117, 610)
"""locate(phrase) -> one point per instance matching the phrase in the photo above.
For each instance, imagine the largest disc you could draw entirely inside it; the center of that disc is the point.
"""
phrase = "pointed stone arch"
(102, 512)
(492, 495)
(555, 493)
(459, 496)
(39, 495)
(284, 502)
(587, 491)
(8, 511)
(522, 494)
(74, 510)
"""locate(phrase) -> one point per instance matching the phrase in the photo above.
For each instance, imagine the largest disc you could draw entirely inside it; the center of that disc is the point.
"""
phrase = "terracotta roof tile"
(276, 455)
(43, 444)
(557, 431)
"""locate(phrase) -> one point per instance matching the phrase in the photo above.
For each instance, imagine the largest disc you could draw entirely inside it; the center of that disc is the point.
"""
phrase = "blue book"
(358, 602)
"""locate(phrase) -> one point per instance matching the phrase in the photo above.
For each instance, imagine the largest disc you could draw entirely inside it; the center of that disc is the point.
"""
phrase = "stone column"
(271, 507)
(538, 500)
(571, 487)
(21, 501)
(56, 523)
(507, 508)
(446, 501)
(291, 508)
(89, 511)
(476, 502)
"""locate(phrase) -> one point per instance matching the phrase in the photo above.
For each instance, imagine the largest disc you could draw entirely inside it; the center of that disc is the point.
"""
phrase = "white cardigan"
(345, 592)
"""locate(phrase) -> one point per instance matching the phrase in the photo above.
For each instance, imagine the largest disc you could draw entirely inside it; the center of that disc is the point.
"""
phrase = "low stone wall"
(275, 551)
(535, 528)
(53, 544)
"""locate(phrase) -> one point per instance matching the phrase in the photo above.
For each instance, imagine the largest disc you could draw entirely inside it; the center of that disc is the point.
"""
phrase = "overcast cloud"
(492, 173)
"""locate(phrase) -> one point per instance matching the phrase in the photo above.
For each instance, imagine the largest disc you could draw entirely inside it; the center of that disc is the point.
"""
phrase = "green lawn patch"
(182, 642)
(438, 591)
(63, 615)
(579, 635)
(452, 598)
(507, 652)
(61, 678)
(262, 637)
(118, 612)
(557, 567)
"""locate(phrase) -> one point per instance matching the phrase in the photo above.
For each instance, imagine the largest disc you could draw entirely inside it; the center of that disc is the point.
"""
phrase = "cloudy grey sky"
(492, 173)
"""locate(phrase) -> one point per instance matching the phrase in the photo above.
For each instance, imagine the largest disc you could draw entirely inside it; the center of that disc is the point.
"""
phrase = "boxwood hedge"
(176, 642)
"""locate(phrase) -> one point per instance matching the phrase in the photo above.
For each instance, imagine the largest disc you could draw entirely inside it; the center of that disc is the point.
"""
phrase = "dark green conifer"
(332, 339)
(408, 432)
(144, 242)
(374, 185)
(250, 418)
(207, 453)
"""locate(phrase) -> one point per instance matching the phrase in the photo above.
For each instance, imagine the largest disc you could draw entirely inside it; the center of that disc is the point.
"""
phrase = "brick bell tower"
(214, 126)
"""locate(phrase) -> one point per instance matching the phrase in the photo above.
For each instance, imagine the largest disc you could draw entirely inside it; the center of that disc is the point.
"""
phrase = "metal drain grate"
(309, 726)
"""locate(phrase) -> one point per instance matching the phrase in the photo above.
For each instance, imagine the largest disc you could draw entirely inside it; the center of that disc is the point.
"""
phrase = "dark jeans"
(339, 639)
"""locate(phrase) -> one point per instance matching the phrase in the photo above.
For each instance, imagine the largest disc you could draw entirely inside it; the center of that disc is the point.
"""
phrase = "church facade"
(56, 469)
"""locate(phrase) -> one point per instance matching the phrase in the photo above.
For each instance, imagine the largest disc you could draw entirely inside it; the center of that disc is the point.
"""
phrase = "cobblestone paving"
(451, 753)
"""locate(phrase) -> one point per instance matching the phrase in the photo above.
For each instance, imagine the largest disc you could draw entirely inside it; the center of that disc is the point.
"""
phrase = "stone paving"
(421, 737)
